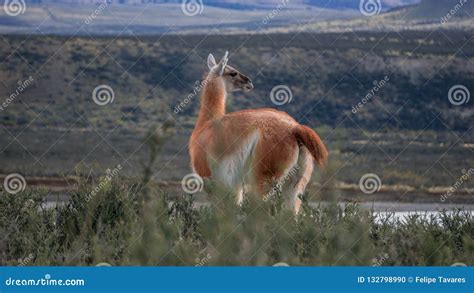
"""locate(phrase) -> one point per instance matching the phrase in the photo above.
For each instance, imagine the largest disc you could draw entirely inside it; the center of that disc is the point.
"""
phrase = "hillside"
(233, 17)
(428, 15)
(237, 4)
(333, 72)
(328, 75)
(138, 17)
(154, 19)
(436, 9)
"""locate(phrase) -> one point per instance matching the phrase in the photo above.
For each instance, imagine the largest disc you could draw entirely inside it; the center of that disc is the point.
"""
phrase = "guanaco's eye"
(233, 74)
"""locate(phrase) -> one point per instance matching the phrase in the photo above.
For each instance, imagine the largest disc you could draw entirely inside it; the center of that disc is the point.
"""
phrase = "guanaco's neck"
(212, 100)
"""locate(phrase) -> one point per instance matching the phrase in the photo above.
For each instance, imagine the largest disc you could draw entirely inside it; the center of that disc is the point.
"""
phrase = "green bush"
(128, 223)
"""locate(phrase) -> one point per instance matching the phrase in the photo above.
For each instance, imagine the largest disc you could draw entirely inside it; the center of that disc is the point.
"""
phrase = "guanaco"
(255, 147)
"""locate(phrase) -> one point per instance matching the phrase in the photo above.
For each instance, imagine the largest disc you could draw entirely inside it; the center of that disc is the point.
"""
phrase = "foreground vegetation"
(128, 223)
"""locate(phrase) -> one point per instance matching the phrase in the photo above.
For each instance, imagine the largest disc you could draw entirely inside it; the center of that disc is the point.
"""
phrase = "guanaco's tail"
(307, 137)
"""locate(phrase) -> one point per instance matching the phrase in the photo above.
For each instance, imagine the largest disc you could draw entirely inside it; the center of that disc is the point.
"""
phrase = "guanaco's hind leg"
(298, 178)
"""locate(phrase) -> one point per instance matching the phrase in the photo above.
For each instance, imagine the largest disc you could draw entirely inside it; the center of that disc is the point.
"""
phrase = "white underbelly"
(235, 169)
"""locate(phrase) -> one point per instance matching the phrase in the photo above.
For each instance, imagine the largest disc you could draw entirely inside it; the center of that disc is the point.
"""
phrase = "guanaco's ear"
(211, 61)
(223, 63)
(225, 58)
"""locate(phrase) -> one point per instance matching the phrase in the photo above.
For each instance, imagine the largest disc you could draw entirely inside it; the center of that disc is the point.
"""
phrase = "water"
(401, 210)
(381, 209)
(413, 207)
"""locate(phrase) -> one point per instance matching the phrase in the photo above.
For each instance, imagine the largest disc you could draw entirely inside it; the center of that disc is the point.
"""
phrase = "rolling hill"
(428, 15)
(113, 19)
(236, 4)
(436, 9)
(126, 17)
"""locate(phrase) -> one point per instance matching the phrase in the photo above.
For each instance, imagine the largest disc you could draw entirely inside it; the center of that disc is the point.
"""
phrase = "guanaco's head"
(233, 79)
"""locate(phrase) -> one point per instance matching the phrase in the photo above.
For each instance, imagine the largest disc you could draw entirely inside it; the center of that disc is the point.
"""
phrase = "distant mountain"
(233, 16)
(426, 15)
(436, 9)
(330, 4)
(132, 17)
(244, 4)
(354, 4)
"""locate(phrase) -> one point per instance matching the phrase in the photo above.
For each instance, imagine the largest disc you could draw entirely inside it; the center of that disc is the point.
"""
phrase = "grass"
(129, 223)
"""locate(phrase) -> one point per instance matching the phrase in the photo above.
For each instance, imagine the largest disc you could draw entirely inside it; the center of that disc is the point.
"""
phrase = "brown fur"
(312, 142)
(218, 135)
